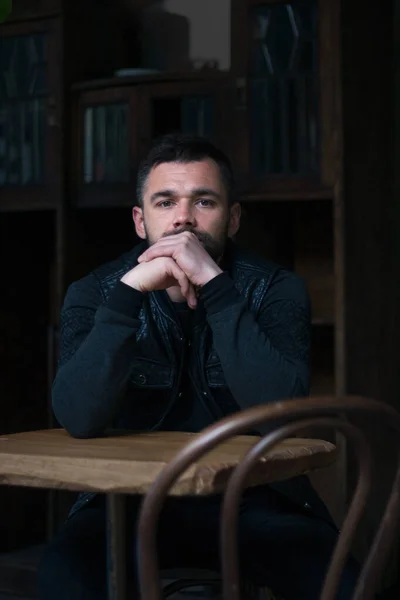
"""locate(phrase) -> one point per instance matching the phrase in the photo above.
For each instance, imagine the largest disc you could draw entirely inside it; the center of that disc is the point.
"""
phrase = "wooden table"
(129, 463)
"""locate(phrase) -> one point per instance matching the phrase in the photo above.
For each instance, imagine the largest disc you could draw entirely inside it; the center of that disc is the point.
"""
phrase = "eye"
(206, 203)
(165, 204)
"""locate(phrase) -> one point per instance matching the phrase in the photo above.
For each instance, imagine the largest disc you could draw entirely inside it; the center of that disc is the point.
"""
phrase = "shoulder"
(250, 269)
(242, 261)
(94, 288)
(113, 270)
(288, 285)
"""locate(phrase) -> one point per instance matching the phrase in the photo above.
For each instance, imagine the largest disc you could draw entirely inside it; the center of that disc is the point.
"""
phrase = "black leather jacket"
(122, 352)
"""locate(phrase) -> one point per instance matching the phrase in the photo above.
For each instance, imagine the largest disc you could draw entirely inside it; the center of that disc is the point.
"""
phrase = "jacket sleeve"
(96, 345)
(264, 357)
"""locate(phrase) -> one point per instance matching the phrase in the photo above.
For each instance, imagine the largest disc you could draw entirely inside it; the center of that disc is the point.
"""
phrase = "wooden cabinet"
(31, 193)
(114, 123)
(30, 115)
(286, 149)
(46, 45)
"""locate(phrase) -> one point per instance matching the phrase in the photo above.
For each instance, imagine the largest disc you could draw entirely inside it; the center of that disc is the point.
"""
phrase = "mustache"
(213, 246)
(202, 236)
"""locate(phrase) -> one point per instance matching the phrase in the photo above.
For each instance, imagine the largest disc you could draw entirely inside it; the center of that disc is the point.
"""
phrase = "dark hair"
(184, 148)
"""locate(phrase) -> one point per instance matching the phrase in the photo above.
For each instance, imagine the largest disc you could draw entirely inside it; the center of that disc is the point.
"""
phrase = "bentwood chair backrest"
(298, 414)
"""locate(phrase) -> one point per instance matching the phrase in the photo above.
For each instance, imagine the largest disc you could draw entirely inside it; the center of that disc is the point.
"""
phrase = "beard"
(214, 245)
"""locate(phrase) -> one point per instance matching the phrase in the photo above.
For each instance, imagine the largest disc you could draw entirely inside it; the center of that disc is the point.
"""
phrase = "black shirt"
(191, 412)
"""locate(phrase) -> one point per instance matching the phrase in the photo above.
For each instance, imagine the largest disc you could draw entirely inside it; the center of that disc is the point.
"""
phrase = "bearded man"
(174, 335)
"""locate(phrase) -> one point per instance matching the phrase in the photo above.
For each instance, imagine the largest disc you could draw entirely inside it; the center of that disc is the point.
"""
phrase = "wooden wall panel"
(372, 349)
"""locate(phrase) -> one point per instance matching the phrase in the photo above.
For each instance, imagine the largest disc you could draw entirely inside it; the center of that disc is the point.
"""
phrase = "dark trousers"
(281, 546)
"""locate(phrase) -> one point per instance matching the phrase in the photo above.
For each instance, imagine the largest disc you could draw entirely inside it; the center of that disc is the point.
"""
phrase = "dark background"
(309, 114)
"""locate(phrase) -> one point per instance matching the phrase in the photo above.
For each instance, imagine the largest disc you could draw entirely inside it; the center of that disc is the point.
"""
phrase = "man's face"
(187, 197)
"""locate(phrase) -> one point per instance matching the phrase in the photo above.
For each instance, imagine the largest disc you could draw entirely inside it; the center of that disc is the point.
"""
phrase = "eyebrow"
(194, 194)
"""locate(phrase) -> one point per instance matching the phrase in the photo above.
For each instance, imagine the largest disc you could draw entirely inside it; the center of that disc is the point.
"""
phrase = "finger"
(160, 247)
(157, 252)
(192, 297)
(185, 285)
(179, 276)
(183, 281)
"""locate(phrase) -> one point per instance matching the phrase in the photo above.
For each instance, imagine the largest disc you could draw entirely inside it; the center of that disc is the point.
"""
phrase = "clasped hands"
(176, 260)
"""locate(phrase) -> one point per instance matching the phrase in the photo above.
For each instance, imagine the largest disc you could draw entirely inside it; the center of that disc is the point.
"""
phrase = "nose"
(184, 215)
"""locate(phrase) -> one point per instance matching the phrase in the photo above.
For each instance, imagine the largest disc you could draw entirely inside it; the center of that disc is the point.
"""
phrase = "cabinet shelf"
(284, 189)
(288, 195)
(209, 75)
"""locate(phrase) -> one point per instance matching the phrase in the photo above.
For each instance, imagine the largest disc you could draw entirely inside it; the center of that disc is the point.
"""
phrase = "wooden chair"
(298, 414)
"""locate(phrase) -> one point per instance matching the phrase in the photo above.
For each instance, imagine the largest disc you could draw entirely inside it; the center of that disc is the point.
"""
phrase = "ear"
(137, 215)
(234, 219)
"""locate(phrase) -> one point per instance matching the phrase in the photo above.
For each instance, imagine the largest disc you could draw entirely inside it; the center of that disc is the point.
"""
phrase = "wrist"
(125, 300)
(129, 279)
(209, 275)
(219, 294)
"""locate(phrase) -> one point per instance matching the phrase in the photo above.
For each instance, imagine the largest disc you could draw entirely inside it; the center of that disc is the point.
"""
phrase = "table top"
(129, 463)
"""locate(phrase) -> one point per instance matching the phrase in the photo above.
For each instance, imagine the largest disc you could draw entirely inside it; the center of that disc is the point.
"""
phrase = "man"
(174, 335)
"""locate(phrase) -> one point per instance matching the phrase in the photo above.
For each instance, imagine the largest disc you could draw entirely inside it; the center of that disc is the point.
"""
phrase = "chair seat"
(206, 578)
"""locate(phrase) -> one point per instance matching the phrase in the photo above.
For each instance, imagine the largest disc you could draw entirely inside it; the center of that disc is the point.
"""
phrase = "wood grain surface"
(130, 463)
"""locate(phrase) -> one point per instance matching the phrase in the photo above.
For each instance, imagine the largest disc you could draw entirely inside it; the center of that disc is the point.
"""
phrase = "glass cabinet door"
(24, 89)
(106, 143)
(283, 89)
(30, 128)
(185, 113)
(196, 107)
(105, 132)
(285, 66)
